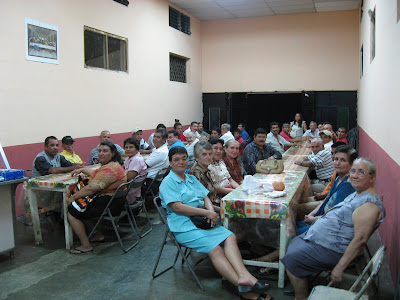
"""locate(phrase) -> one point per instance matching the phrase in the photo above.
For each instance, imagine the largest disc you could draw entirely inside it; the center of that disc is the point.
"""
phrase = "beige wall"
(40, 99)
(281, 53)
(378, 103)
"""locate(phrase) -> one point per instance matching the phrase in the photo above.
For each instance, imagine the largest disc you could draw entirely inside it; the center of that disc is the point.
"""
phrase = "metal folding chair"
(169, 238)
(159, 177)
(121, 192)
(328, 292)
(139, 204)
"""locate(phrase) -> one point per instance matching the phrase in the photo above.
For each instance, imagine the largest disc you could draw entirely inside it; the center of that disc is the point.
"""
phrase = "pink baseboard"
(22, 156)
(387, 184)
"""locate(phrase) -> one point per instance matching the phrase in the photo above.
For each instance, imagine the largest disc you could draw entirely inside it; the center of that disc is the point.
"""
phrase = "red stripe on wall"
(388, 187)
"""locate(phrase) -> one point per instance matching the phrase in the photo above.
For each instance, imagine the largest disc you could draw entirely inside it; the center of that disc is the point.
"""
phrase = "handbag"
(81, 203)
(269, 166)
(201, 222)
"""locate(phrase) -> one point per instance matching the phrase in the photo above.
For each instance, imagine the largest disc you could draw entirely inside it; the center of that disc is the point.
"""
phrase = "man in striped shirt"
(321, 160)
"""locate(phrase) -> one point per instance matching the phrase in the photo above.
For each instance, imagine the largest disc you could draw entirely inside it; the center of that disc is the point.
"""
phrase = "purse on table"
(270, 166)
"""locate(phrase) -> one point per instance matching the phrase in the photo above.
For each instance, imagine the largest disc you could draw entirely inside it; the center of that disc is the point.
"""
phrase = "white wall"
(378, 100)
(39, 99)
(281, 53)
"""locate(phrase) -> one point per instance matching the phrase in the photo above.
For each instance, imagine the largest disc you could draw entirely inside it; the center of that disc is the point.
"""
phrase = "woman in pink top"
(134, 166)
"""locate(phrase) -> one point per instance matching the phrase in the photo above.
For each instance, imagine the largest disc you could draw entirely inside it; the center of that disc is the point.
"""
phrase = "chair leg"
(119, 237)
(159, 257)
(189, 265)
(95, 226)
(150, 226)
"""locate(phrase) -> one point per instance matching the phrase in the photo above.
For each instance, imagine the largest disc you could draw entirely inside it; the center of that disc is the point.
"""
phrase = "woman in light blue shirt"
(183, 195)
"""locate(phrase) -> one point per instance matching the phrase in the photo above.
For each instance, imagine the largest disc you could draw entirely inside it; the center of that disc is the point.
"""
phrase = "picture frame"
(41, 42)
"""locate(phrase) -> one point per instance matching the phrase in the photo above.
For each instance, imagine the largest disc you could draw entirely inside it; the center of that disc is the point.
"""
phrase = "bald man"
(105, 135)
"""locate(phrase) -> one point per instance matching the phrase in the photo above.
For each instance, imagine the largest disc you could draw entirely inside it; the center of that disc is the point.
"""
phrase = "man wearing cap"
(69, 153)
(328, 126)
(326, 136)
(50, 161)
(105, 135)
(144, 148)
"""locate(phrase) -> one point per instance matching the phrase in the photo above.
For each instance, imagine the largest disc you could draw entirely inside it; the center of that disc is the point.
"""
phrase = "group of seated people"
(334, 224)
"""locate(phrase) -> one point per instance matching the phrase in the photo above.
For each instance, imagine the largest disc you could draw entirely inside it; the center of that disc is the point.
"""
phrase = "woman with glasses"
(336, 238)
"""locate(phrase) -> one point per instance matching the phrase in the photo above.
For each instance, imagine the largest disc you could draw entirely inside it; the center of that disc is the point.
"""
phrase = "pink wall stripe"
(387, 184)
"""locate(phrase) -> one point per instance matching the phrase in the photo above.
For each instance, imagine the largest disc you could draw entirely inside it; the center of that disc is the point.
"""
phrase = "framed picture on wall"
(42, 42)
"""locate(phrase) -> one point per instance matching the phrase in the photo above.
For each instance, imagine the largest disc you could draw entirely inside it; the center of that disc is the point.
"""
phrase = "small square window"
(104, 50)
(177, 68)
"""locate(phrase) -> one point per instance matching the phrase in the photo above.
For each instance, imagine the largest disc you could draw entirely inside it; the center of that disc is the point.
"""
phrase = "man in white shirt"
(194, 128)
(226, 134)
(275, 140)
(150, 140)
(313, 132)
(157, 160)
(326, 136)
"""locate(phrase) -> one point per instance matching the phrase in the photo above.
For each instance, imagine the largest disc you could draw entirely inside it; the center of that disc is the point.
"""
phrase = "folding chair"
(169, 238)
(330, 293)
(121, 192)
(139, 204)
(159, 177)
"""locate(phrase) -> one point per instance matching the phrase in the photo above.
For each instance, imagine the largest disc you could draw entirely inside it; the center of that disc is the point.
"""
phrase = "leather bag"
(270, 166)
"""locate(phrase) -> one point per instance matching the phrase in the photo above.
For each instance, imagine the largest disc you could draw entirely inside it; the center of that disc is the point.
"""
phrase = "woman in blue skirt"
(183, 195)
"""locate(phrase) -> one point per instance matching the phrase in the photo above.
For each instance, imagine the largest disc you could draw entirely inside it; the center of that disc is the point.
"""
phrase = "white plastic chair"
(330, 293)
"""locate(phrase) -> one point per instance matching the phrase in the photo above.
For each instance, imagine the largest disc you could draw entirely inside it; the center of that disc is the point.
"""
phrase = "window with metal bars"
(177, 68)
(179, 20)
(104, 50)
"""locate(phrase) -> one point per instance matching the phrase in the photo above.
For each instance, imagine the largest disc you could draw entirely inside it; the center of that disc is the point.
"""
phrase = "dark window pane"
(179, 20)
(116, 54)
(177, 68)
(95, 48)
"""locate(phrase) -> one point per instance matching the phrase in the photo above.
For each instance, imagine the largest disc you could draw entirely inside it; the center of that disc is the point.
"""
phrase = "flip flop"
(78, 251)
(258, 288)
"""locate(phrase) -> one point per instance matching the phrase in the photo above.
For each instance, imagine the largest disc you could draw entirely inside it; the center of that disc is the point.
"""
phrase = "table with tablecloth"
(62, 183)
(239, 205)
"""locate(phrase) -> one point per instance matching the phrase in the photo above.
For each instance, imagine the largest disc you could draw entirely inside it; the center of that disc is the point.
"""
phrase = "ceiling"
(231, 9)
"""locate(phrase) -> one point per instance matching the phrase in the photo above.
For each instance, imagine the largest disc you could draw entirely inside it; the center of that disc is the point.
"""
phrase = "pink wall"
(387, 184)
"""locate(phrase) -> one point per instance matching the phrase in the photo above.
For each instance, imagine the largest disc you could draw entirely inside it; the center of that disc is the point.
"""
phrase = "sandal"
(78, 251)
(258, 288)
(266, 272)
